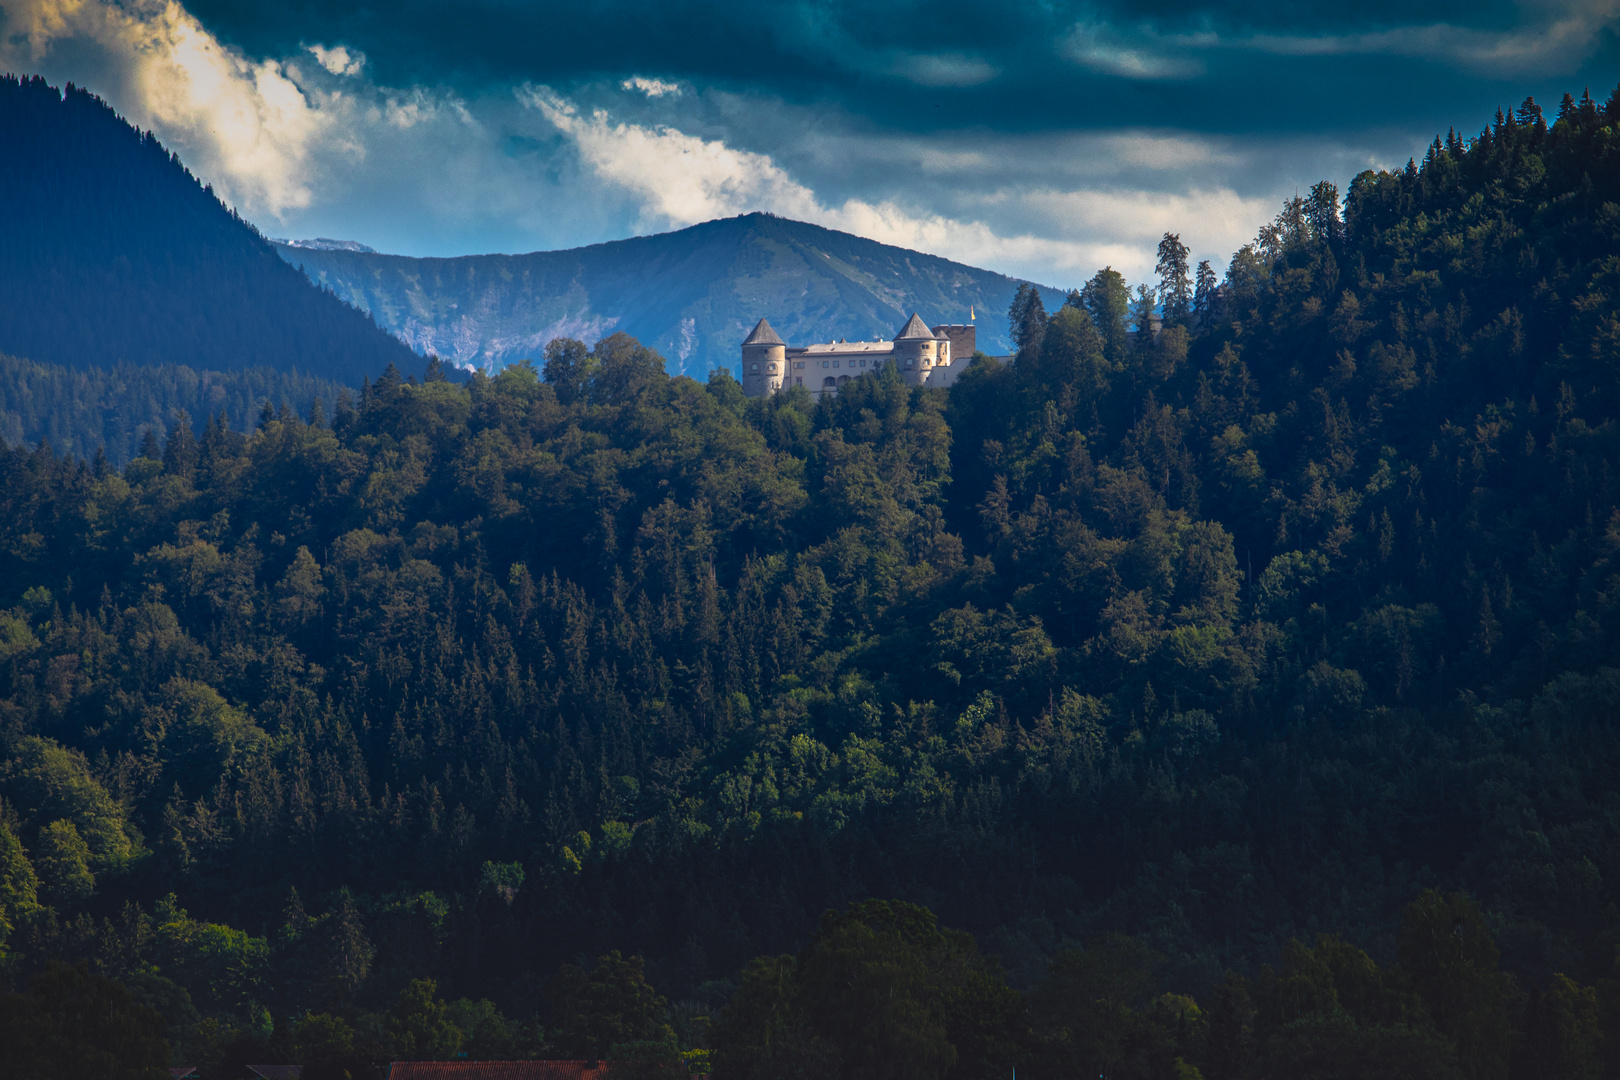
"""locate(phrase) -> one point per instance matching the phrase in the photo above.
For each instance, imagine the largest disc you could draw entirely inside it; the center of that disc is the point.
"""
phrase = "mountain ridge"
(116, 253)
(691, 293)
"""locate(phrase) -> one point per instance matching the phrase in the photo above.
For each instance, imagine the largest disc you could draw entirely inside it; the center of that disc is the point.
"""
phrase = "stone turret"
(764, 361)
(916, 351)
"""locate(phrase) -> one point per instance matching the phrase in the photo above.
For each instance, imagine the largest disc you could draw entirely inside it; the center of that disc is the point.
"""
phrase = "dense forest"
(114, 253)
(81, 411)
(1235, 666)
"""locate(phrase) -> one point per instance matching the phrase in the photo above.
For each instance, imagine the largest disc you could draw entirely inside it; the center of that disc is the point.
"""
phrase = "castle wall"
(824, 368)
(769, 367)
(945, 375)
(962, 336)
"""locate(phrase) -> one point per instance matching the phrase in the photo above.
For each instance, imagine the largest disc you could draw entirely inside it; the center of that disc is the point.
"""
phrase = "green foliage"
(612, 1005)
(1146, 653)
(19, 884)
(419, 1027)
(1564, 1033)
(1450, 960)
(72, 1024)
(648, 1060)
(83, 411)
(52, 784)
(63, 861)
(221, 967)
(488, 1035)
(1094, 1009)
(501, 880)
(322, 1040)
(880, 992)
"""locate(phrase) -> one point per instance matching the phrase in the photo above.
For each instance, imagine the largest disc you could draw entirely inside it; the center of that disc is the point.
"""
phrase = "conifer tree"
(1204, 293)
(1108, 299)
(1175, 284)
(1026, 317)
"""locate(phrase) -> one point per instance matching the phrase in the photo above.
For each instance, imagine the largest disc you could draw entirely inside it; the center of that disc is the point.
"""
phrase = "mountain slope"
(691, 294)
(79, 411)
(115, 253)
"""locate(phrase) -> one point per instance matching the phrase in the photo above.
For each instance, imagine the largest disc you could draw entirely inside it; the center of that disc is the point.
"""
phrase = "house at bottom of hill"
(923, 355)
(497, 1070)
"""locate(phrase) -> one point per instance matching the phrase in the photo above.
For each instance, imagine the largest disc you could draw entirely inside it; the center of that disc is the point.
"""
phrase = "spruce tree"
(1026, 318)
(1175, 284)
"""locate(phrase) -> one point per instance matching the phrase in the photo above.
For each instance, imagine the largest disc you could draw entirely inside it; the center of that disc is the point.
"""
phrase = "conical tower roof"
(763, 335)
(914, 328)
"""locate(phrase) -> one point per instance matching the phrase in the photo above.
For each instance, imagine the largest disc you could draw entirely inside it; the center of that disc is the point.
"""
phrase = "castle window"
(835, 363)
(771, 368)
(799, 365)
(754, 367)
(824, 363)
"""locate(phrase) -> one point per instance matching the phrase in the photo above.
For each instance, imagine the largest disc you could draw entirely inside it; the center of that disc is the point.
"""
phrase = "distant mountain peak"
(692, 294)
(322, 243)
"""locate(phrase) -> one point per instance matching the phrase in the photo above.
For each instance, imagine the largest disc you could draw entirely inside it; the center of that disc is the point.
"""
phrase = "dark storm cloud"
(1040, 139)
(1239, 67)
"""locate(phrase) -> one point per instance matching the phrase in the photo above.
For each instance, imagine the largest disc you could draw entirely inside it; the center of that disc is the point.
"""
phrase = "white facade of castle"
(924, 356)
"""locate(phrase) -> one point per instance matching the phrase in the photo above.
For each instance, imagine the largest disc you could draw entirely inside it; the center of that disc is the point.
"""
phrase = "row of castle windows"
(771, 368)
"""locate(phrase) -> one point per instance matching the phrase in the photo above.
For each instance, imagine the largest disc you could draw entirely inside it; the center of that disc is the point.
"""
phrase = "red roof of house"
(497, 1070)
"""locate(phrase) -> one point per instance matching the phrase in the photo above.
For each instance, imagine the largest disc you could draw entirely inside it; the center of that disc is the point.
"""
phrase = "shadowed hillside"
(114, 252)
(692, 294)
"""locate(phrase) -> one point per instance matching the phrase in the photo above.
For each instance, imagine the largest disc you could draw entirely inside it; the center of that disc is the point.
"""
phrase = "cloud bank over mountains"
(1043, 141)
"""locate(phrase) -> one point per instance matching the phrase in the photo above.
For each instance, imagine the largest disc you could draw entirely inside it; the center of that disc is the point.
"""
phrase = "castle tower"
(963, 338)
(764, 361)
(916, 351)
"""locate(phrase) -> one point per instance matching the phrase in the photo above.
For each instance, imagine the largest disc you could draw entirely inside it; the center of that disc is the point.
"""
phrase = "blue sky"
(1040, 139)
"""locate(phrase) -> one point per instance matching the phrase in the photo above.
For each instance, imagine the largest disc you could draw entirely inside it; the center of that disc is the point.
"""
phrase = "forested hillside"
(83, 411)
(1246, 688)
(692, 294)
(115, 253)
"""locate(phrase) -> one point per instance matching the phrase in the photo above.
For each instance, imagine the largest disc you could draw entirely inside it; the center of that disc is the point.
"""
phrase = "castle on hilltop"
(923, 355)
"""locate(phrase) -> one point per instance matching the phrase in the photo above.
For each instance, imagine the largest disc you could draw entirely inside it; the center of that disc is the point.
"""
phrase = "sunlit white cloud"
(418, 105)
(653, 88)
(339, 60)
(681, 179)
(247, 124)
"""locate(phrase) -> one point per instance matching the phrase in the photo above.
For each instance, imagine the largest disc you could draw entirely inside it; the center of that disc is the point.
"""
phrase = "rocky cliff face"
(692, 294)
